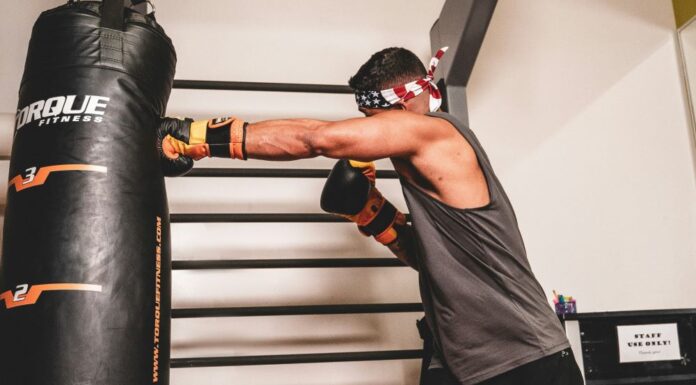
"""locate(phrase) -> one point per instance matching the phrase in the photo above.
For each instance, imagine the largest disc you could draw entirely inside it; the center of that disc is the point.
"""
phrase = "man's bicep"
(382, 136)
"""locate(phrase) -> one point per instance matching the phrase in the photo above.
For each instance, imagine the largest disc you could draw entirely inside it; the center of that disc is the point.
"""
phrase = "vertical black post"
(461, 26)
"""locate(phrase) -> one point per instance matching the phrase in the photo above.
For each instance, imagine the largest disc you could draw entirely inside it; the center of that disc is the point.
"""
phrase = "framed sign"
(652, 342)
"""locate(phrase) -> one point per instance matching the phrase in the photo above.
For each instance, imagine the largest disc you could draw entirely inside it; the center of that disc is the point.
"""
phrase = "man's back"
(487, 312)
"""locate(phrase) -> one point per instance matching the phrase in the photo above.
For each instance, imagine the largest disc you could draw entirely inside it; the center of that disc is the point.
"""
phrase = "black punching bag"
(85, 272)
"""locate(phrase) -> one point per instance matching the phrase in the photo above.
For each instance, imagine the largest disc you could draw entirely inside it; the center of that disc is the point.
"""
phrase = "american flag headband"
(390, 96)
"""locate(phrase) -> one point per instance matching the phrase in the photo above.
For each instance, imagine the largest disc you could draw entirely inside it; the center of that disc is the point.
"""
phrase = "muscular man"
(488, 315)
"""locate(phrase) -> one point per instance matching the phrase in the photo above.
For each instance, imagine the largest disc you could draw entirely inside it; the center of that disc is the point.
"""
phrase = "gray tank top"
(487, 312)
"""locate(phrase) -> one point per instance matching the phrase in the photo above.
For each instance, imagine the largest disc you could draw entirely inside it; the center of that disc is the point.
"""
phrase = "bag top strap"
(112, 14)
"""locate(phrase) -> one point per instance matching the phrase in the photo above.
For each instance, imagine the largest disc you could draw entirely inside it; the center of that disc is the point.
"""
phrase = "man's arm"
(350, 192)
(404, 247)
(389, 134)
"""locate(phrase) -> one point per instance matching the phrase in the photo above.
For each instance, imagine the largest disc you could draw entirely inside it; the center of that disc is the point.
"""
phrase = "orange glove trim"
(390, 234)
(387, 236)
(237, 139)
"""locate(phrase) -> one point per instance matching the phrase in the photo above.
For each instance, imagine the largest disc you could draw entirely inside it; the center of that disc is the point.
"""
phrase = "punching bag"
(85, 271)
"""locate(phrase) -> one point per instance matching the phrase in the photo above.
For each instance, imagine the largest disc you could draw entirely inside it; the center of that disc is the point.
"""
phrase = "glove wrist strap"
(237, 142)
(225, 137)
(379, 224)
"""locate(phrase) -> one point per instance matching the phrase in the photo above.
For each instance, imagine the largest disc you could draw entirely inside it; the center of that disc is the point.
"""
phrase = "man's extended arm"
(389, 134)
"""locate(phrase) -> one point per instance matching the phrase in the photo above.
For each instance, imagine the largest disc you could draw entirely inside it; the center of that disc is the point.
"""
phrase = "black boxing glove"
(350, 192)
(181, 141)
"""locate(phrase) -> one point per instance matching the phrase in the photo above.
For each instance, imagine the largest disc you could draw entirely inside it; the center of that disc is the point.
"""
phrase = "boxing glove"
(350, 192)
(221, 137)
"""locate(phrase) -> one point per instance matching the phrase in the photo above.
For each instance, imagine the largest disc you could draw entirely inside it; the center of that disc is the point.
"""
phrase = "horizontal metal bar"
(256, 218)
(631, 314)
(285, 263)
(260, 311)
(201, 362)
(257, 86)
(272, 173)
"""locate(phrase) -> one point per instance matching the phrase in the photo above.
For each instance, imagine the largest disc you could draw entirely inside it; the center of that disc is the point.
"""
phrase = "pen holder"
(566, 308)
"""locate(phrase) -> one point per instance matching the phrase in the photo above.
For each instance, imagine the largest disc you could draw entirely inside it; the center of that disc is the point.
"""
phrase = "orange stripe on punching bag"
(25, 296)
(36, 177)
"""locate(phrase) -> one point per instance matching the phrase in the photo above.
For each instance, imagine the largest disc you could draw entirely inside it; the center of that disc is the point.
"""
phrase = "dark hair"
(388, 68)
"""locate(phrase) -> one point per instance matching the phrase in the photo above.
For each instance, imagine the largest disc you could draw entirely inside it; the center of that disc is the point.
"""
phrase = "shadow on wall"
(686, 51)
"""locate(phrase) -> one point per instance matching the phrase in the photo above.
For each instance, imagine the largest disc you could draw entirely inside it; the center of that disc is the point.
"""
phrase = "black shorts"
(557, 369)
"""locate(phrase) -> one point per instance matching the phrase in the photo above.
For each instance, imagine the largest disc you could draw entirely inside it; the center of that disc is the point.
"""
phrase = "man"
(489, 317)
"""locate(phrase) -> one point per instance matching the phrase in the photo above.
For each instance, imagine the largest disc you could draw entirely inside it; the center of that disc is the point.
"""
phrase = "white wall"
(579, 105)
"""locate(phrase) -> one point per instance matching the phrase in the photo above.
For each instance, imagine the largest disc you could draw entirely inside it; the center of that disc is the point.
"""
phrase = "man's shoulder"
(447, 117)
(422, 127)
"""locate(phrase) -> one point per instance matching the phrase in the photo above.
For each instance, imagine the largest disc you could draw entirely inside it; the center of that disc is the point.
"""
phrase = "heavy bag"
(85, 272)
